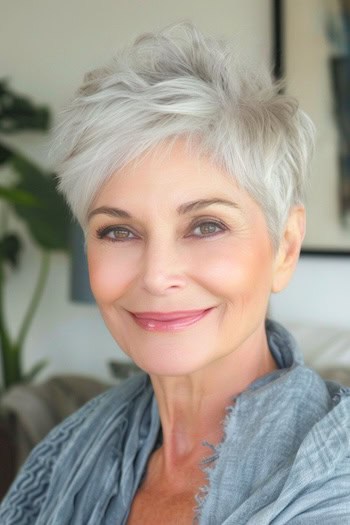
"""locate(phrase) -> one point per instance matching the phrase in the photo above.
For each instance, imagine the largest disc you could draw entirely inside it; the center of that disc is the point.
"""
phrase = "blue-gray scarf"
(284, 456)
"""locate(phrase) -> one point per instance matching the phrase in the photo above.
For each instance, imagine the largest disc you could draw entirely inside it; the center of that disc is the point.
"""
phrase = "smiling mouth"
(168, 321)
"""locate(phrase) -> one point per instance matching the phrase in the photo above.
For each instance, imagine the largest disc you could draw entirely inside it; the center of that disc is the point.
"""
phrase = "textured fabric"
(36, 409)
(284, 459)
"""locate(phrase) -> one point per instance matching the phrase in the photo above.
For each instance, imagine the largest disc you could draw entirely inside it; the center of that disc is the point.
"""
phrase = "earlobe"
(289, 249)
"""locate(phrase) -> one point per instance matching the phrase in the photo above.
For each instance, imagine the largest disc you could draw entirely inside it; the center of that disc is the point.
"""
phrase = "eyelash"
(102, 233)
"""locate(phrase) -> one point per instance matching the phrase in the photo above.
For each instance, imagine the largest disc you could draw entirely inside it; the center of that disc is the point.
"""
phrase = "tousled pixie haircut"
(179, 83)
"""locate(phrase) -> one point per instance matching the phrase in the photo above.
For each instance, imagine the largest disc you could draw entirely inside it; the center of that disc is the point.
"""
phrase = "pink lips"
(168, 321)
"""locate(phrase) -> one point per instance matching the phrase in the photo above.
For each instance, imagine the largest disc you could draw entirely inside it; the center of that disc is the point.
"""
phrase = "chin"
(166, 368)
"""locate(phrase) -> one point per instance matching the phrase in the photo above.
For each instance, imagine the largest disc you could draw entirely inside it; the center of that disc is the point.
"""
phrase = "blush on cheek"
(224, 272)
(238, 274)
(111, 267)
(106, 279)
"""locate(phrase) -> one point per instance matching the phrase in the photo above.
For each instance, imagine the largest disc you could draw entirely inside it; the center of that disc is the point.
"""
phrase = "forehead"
(169, 169)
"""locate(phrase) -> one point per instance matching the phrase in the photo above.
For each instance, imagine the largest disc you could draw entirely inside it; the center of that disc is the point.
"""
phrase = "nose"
(164, 267)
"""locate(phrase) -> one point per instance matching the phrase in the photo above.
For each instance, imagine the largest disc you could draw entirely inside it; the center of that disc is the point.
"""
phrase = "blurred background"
(46, 47)
(45, 50)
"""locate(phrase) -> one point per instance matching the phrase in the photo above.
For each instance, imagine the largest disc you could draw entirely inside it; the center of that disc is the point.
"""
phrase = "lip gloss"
(168, 325)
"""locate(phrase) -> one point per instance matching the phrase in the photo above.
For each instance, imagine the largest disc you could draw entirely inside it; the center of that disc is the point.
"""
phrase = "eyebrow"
(181, 210)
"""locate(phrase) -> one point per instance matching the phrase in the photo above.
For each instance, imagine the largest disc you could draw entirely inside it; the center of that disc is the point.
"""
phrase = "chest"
(152, 507)
(163, 499)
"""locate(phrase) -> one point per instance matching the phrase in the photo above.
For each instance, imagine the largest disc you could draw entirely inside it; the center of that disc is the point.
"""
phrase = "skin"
(219, 256)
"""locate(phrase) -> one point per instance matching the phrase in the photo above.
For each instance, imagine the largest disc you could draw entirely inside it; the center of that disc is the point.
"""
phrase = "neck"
(192, 408)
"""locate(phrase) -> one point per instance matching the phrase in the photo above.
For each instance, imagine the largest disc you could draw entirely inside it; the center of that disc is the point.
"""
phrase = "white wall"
(318, 293)
(45, 48)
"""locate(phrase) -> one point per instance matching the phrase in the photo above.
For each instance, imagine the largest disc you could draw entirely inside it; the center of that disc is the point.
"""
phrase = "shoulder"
(114, 399)
(31, 485)
(318, 486)
(326, 443)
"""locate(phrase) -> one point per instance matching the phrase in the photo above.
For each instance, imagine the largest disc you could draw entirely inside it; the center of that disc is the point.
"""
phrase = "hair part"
(179, 83)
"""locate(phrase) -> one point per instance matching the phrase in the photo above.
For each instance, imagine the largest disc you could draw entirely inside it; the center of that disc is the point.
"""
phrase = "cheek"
(243, 270)
(109, 273)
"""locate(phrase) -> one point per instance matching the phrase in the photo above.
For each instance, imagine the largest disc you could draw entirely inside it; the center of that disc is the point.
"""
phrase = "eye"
(122, 233)
(115, 233)
(208, 228)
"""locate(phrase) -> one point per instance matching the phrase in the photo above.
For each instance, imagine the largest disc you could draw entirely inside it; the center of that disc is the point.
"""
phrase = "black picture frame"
(278, 48)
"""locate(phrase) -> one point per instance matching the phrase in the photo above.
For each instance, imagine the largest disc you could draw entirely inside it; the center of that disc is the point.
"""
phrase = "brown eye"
(115, 234)
(119, 233)
(208, 228)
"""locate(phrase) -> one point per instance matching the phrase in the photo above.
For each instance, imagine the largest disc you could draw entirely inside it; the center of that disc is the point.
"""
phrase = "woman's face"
(180, 261)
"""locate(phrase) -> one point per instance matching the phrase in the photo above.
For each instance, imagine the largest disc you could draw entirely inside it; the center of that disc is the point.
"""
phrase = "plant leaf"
(49, 220)
(19, 113)
(5, 154)
(10, 247)
(14, 196)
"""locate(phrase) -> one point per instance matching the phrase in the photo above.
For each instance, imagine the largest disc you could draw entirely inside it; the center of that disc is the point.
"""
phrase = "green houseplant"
(32, 197)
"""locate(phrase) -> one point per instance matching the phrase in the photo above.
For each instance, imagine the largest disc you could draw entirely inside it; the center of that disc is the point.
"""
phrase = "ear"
(289, 249)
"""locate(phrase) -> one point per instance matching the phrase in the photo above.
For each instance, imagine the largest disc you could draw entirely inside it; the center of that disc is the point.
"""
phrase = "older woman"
(187, 172)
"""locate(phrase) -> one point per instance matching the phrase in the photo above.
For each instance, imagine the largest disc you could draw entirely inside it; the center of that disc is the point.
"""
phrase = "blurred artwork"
(313, 49)
(338, 32)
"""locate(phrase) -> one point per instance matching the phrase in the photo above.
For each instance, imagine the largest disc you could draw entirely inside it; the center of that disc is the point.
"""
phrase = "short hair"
(178, 82)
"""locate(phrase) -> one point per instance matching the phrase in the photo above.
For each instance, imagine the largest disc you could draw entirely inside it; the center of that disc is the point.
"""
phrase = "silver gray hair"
(179, 83)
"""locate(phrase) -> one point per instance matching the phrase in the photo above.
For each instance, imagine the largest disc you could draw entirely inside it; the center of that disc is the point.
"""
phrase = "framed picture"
(312, 54)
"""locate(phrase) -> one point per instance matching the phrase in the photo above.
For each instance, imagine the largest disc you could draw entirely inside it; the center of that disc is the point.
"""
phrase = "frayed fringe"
(208, 464)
